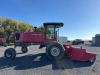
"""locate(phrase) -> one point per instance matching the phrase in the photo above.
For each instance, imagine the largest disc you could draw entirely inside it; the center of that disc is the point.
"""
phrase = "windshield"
(50, 32)
(78, 40)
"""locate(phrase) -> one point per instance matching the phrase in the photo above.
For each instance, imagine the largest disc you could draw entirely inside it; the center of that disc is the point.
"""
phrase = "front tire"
(55, 51)
(10, 53)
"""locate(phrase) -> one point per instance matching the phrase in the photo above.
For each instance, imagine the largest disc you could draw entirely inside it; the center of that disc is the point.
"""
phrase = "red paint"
(30, 37)
(2, 40)
(78, 53)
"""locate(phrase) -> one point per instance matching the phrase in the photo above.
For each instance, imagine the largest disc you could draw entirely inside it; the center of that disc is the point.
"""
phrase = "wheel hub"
(24, 49)
(8, 54)
(55, 51)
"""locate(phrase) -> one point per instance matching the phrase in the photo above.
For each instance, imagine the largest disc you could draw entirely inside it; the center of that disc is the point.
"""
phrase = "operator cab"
(52, 31)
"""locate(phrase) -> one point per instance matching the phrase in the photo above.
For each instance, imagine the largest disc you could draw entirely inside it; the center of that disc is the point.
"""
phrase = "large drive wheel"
(24, 49)
(55, 51)
(10, 53)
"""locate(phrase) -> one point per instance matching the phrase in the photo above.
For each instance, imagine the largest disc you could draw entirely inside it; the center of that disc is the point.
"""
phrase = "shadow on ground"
(41, 60)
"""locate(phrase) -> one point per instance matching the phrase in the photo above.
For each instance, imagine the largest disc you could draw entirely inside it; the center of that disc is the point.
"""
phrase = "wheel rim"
(9, 54)
(55, 51)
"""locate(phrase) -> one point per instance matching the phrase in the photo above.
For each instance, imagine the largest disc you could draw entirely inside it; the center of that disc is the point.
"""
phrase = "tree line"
(8, 27)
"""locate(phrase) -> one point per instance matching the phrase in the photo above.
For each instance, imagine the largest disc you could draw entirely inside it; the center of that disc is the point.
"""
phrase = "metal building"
(97, 40)
(62, 39)
(93, 41)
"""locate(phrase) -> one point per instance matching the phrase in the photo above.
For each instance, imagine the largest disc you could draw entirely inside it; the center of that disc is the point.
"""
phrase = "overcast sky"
(81, 18)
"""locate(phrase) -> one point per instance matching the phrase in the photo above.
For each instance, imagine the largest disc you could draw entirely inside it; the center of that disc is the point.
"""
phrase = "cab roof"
(57, 24)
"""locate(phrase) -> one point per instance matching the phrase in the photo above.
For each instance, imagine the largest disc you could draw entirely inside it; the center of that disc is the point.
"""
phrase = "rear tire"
(82, 42)
(5, 44)
(24, 49)
(55, 51)
(10, 53)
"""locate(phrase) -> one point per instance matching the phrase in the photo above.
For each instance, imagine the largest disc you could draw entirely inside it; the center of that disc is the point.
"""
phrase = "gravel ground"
(35, 62)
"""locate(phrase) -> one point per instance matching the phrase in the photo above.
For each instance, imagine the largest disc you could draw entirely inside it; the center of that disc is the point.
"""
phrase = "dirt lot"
(35, 62)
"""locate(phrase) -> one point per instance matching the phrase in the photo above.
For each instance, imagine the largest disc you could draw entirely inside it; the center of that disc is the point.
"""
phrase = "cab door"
(50, 33)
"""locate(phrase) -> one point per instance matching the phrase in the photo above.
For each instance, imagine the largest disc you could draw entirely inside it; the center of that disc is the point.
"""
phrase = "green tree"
(9, 27)
(41, 29)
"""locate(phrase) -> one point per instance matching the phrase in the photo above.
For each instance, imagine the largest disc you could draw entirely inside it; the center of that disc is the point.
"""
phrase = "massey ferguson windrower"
(54, 49)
